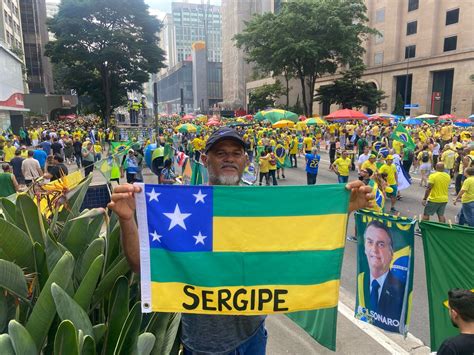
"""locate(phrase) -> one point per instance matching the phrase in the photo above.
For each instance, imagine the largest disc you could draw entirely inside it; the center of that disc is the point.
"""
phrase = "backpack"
(425, 157)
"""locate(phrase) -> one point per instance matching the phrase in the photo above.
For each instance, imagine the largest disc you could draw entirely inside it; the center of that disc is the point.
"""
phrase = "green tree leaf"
(83, 295)
(107, 282)
(6, 346)
(12, 279)
(128, 338)
(16, 245)
(65, 341)
(29, 218)
(67, 308)
(145, 343)
(21, 339)
(44, 311)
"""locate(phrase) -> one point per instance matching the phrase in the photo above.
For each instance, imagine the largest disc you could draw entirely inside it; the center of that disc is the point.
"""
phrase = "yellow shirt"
(9, 153)
(448, 158)
(24, 154)
(34, 135)
(197, 143)
(446, 133)
(343, 165)
(264, 165)
(375, 131)
(397, 146)
(468, 188)
(294, 148)
(97, 148)
(439, 182)
(391, 171)
(368, 165)
(308, 143)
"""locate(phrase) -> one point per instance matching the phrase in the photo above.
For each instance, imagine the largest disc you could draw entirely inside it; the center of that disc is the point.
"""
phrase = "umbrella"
(463, 122)
(186, 128)
(346, 114)
(188, 117)
(447, 116)
(425, 116)
(275, 115)
(412, 121)
(471, 117)
(249, 117)
(315, 121)
(383, 115)
(213, 123)
(302, 118)
(376, 118)
(283, 124)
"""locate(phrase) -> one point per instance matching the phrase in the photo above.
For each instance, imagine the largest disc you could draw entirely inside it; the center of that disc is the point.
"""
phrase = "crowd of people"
(442, 156)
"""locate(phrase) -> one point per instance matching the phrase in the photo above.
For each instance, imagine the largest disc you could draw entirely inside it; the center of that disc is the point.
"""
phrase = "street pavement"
(353, 336)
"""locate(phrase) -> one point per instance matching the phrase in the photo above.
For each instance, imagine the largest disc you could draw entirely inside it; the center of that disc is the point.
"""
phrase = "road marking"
(372, 331)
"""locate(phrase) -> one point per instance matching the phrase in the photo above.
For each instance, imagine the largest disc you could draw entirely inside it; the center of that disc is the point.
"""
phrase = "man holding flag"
(225, 158)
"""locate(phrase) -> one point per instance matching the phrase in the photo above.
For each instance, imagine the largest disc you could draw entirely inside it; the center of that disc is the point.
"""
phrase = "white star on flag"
(199, 197)
(199, 238)
(156, 237)
(153, 195)
(177, 218)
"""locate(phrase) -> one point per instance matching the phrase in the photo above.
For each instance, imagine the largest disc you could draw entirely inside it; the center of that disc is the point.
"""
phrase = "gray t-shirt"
(209, 334)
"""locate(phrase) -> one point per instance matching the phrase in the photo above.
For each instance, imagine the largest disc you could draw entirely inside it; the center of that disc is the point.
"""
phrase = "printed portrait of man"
(383, 292)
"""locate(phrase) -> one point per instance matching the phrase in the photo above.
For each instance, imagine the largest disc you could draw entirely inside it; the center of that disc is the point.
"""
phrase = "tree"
(265, 96)
(399, 109)
(349, 91)
(308, 39)
(106, 48)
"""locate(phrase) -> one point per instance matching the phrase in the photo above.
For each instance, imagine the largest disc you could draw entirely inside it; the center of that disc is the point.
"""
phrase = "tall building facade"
(188, 23)
(35, 37)
(235, 70)
(424, 53)
(10, 25)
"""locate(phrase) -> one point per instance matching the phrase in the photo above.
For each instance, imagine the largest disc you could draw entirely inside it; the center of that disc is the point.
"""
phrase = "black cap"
(224, 133)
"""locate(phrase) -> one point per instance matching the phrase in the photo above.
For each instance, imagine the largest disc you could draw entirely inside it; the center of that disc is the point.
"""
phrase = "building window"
(378, 58)
(379, 38)
(410, 51)
(412, 27)
(380, 15)
(412, 5)
(450, 43)
(452, 16)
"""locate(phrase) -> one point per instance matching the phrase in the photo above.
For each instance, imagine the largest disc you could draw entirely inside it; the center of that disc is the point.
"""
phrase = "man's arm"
(15, 183)
(427, 193)
(123, 204)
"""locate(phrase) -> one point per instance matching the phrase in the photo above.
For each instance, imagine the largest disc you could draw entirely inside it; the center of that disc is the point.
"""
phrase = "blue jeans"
(255, 345)
(342, 179)
(466, 215)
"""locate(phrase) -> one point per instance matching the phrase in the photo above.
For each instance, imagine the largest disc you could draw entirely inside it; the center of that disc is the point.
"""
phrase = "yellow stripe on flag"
(279, 233)
(239, 300)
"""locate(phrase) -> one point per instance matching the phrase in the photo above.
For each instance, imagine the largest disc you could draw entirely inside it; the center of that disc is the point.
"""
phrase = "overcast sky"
(160, 7)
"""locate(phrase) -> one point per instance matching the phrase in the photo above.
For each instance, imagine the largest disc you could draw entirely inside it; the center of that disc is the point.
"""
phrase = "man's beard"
(224, 179)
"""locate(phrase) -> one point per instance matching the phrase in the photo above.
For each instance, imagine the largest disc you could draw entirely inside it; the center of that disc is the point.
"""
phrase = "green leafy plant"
(66, 287)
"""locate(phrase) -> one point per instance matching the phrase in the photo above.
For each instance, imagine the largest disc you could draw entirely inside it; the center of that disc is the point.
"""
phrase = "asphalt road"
(287, 338)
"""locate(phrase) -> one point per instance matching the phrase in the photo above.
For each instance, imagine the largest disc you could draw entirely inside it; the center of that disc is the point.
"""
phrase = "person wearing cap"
(391, 171)
(224, 157)
(369, 163)
(130, 166)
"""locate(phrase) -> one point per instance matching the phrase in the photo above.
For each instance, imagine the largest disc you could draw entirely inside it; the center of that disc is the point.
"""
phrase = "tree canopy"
(265, 96)
(349, 91)
(105, 48)
(307, 39)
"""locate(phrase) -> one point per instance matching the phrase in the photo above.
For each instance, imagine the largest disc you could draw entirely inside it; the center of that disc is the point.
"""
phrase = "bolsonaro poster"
(384, 270)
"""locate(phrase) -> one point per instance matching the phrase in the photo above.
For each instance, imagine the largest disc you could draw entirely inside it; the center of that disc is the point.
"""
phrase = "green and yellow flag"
(119, 147)
(400, 134)
(449, 264)
(245, 258)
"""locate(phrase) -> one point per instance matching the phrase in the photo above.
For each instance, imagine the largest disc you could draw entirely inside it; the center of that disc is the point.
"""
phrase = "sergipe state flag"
(400, 134)
(449, 261)
(241, 250)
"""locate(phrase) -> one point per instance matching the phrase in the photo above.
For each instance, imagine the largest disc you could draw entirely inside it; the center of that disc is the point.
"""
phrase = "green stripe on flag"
(267, 201)
(210, 269)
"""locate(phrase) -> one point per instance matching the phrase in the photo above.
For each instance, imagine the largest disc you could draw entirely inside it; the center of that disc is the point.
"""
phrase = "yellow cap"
(389, 157)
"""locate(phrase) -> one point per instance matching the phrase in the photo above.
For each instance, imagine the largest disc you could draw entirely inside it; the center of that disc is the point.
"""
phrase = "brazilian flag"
(119, 147)
(283, 161)
(400, 134)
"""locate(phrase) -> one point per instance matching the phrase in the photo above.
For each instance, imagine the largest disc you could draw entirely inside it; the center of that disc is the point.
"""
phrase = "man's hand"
(123, 201)
(423, 202)
(361, 195)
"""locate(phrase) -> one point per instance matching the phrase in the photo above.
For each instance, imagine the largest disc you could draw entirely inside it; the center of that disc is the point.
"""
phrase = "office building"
(425, 46)
(188, 23)
(235, 70)
(35, 37)
(10, 26)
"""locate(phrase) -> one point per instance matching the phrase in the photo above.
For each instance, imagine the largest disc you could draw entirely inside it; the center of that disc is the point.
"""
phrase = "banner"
(222, 250)
(385, 262)
(449, 264)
